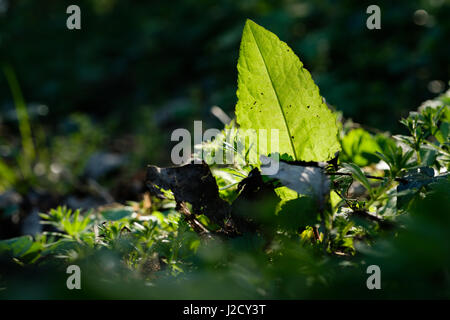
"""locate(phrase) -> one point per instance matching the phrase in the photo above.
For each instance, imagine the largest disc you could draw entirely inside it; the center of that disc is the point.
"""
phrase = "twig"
(196, 225)
(343, 198)
(384, 224)
(367, 176)
(316, 234)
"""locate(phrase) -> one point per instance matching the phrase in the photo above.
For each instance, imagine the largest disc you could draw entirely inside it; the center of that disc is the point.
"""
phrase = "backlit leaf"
(275, 91)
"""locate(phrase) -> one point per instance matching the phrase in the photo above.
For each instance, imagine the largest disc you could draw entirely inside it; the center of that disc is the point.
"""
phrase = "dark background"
(131, 53)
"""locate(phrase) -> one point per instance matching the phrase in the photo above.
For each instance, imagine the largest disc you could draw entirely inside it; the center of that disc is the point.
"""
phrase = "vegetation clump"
(344, 198)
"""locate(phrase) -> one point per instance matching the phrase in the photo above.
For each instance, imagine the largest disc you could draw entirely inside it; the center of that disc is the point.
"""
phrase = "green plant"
(308, 231)
(27, 156)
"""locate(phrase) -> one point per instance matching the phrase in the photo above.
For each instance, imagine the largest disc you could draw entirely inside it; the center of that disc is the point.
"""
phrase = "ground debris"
(193, 183)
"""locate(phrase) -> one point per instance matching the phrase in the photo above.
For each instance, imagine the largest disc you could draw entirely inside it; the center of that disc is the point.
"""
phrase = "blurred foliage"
(150, 53)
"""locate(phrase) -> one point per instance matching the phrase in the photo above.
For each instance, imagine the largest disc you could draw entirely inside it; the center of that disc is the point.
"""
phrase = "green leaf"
(20, 246)
(276, 92)
(117, 213)
(7, 176)
(359, 147)
(297, 213)
(358, 175)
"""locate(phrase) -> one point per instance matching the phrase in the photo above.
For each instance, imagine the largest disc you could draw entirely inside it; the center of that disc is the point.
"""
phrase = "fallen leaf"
(305, 180)
(193, 183)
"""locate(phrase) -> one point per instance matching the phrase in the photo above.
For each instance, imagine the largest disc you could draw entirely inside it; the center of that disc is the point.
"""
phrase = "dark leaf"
(193, 183)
